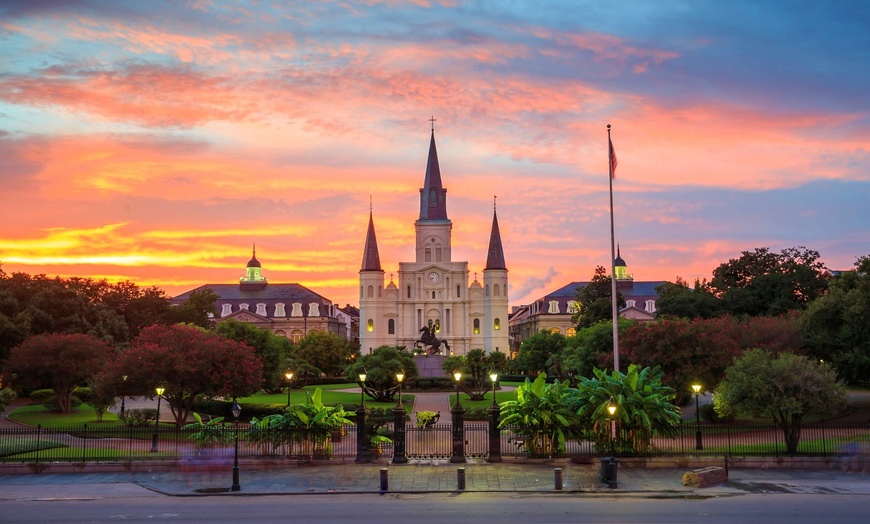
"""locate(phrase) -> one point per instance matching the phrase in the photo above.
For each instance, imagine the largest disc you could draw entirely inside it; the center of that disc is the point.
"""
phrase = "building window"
(314, 309)
(279, 310)
(297, 309)
(496, 290)
(555, 330)
(361, 292)
(296, 336)
(380, 291)
(573, 307)
(554, 307)
(226, 309)
(496, 325)
(371, 292)
(630, 303)
(477, 326)
(261, 309)
(458, 291)
(280, 333)
(409, 291)
(437, 326)
(438, 254)
(391, 327)
(428, 254)
(571, 332)
(433, 295)
(370, 325)
(651, 306)
(486, 291)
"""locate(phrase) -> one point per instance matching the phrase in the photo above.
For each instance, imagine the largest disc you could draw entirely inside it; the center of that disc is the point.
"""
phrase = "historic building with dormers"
(434, 289)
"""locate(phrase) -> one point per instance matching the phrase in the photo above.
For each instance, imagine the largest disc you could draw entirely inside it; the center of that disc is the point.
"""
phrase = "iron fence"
(130, 444)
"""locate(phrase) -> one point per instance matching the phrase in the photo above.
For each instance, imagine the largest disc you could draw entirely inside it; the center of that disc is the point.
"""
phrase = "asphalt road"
(479, 508)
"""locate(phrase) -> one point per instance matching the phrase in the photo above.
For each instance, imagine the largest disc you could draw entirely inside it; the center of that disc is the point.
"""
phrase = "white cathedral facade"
(433, 290)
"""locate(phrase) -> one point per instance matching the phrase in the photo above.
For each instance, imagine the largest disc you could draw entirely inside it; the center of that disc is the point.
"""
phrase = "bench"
(705, 477)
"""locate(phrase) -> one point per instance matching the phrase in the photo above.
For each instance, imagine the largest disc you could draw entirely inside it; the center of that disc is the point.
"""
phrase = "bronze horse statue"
(428, 339)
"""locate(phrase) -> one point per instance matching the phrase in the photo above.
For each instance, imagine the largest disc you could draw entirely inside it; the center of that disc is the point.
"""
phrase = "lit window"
(295, 336)
(496, 325)
(370, 325)
(571, 332)
(476, 326)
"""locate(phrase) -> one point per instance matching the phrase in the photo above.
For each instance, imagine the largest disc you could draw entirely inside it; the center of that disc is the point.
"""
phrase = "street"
(479, 508)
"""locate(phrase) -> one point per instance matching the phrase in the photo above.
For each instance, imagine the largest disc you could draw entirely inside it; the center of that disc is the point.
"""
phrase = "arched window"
(496, 325)
(295, 336)
(477, 326)
(391, 327)
(496, 290)
(226, 309)
(371, 292)
(458, 292)
(409, 291)
(554, 307)
(279, 310)
(571, 332)
(370, 325)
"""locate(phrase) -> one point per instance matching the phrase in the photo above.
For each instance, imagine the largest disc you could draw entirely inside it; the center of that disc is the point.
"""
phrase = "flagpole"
(614, 309)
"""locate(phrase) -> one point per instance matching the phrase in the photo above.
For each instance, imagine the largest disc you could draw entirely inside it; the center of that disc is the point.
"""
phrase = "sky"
(158, 141)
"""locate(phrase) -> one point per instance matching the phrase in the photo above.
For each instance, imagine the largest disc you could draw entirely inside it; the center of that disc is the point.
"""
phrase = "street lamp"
(493, 376)
(123, 393)
(289, 376)
(362, 387)
(362, 443)
(457, 375)
(159, 391)
(237, 410)
(612, 463)
(400, 376)
(611, 408)
(698, 444)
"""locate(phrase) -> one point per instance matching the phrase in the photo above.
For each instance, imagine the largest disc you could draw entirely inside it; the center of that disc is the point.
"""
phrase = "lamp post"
(698, 444)
(237, 410)
(289, 376)
(494, 414)
(362, 444)
(458, 413)
(159, 391)
(610, 473)
(123, 393)
(399, 424)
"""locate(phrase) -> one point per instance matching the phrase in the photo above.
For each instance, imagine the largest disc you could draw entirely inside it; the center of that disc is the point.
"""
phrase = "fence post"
(399, 435)
(458, 413)
(362, 443)
(84, 440)
(38, 438)
(494, 433)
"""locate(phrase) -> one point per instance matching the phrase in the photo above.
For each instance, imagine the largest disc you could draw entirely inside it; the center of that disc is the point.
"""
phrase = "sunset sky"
(158, 141)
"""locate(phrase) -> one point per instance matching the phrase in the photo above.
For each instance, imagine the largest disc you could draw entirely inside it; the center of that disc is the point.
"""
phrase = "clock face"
(434, 277)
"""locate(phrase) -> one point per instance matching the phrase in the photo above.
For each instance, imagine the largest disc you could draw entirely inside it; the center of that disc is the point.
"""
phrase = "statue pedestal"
(430, 366)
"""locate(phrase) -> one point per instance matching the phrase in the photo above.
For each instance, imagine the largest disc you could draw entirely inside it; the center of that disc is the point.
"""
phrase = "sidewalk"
(422, 478)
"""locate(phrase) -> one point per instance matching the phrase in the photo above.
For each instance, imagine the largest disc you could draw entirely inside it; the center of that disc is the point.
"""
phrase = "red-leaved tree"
(189, 363)
(62, 361)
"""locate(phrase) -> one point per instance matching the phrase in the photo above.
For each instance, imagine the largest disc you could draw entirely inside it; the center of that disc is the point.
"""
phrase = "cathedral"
(433, 292)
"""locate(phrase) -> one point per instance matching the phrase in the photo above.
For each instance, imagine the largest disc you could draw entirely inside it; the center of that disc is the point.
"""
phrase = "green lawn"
(329, 395)
(36, 414)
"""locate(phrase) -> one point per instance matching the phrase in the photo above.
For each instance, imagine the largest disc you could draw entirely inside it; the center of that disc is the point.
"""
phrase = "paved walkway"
(423, 478)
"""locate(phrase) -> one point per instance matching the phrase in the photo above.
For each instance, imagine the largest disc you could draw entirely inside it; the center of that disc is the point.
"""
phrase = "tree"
(189, 363)
(643, 406)
(837, 325)
(59, 361)
(766, 283)
(678, 300)
(476, 366)
(195, 310)
(541, 415)
(787, 388)
(272, 349)
(540, 351)
(594, 300)
(327, 352)
(381, 367)
(592, 347)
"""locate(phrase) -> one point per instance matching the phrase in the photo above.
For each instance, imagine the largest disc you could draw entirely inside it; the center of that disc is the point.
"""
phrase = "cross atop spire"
(432, 121)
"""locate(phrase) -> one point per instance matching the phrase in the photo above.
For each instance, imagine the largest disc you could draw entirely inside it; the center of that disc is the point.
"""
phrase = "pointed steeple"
(433, 197)
(371, 258)
(254, 262)
(495, 256)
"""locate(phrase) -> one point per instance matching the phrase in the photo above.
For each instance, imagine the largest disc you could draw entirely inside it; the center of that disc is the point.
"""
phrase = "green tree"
(539, 352)
(272, 349)
(837, 325)
(765, 283)
(190, 363)
(787, 388)
(678, 300)
(476, 366)
(59, 361)
(195, 310)
(381, 367)
(327, 352)
(541, 415)
(594, 300)
(644, 407)
(592, 347)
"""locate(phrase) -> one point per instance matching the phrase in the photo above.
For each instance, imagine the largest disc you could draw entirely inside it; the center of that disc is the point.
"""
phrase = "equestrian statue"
(430, 342)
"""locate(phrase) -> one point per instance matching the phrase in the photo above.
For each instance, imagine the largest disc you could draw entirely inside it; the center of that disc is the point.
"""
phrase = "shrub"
(85, 394)
(138, 418)
(708, 413)
(38, 396)
(427, 418)
(6, 397)
(52, 404)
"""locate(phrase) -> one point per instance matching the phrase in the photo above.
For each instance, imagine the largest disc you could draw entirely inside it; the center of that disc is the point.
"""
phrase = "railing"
(127, 444)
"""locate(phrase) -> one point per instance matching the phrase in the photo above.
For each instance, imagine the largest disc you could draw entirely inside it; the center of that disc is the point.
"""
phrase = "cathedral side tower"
(495, 293)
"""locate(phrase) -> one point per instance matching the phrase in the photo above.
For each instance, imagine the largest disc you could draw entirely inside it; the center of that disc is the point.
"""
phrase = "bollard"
(557, 473)
(385, 480)
(460, 479)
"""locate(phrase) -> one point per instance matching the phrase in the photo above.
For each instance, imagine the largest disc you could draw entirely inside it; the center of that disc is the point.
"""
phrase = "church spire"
(371, 258)
(495, 256)
(433, 197)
